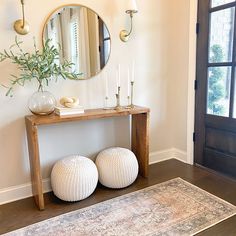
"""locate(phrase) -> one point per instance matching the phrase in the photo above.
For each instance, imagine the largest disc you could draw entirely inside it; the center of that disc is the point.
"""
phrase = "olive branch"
(43, 66)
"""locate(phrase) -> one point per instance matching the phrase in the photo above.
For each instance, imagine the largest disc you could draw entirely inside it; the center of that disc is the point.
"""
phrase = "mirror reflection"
(83, 37)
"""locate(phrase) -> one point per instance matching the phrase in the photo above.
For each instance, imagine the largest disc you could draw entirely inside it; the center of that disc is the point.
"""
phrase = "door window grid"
(226, 53)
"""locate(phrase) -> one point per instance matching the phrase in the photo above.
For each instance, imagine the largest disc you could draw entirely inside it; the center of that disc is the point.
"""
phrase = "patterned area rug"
(175, 207)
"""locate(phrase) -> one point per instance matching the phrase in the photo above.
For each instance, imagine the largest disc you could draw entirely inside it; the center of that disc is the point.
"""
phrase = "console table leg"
(36, 177)
(140, 141)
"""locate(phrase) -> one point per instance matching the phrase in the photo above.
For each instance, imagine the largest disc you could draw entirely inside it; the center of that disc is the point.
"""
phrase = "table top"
(87, 115)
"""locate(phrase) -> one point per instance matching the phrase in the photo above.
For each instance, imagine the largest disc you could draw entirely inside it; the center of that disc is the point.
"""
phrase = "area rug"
(172, 208)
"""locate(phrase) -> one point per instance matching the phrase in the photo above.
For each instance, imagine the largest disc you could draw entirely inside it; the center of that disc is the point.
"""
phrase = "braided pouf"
(74, 178)
(117, 167)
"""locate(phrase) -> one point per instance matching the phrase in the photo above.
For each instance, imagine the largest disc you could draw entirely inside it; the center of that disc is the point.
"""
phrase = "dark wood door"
(215, 111)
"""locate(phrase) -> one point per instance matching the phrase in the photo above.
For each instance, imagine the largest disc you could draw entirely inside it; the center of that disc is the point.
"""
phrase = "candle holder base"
(130, 106)
(118, 108)
(107, 108)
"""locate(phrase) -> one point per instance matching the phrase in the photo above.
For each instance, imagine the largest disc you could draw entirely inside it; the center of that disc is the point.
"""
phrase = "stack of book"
(65, 111)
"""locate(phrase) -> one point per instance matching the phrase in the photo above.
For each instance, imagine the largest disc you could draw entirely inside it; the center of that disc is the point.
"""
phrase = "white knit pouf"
(117, 167)
(74, 178)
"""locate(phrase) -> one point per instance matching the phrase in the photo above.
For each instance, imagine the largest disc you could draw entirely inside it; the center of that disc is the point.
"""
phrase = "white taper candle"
(128, 87)
(106, 84)
(133, 71)
(119, 75)
(117, 81)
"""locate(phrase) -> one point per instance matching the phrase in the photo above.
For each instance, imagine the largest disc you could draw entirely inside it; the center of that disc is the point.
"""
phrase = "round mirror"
(82, 36)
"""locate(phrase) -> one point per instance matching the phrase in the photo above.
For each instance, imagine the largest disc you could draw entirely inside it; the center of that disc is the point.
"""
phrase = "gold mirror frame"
(78, 5)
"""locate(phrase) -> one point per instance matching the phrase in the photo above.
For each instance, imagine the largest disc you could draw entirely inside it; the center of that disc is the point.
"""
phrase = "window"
(74, 34)
(104, 43)
(220, 58)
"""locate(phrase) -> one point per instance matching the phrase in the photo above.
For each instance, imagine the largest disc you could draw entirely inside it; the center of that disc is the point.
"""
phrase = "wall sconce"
(21, 26)
(131, 9)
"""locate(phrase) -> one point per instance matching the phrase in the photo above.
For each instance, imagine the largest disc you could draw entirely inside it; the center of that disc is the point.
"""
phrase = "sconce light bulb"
(132, 7)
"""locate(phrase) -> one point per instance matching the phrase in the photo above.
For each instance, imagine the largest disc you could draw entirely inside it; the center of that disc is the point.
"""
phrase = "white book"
(66, 109)
(68, 113)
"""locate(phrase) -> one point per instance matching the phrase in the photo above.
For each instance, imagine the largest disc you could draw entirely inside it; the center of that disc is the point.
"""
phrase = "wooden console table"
(139, 140)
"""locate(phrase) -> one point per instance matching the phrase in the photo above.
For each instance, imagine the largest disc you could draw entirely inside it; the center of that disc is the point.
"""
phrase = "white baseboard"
(18, 192)
(159, 156)
(180, 155)
(164, 155)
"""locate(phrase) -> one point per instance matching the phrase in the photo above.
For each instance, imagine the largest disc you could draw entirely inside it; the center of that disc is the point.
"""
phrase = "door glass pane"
(234, 108)
(218, 94)
(215, 3)
(221, 35)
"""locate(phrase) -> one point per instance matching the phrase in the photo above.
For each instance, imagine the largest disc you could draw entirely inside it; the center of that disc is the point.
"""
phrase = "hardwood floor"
(24, 212)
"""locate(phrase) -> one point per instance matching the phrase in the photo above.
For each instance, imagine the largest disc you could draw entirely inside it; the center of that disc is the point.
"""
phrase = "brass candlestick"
(128, 98)
(131, 105)
(118, 106)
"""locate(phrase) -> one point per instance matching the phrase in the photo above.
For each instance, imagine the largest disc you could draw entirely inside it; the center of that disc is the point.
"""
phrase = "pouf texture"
(117, 167)
(74, 178)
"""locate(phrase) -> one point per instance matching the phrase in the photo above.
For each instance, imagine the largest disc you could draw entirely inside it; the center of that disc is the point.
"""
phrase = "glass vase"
(42, 103)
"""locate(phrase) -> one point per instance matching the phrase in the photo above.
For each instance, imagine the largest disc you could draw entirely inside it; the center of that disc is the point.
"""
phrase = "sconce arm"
(124, 34)
(23, 13)
(131, 24)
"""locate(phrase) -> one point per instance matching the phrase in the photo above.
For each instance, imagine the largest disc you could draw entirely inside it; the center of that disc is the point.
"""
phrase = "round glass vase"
(42, 103)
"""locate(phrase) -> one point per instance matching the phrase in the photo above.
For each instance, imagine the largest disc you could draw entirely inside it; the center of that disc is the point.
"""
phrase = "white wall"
(178, 83)
(159, 45)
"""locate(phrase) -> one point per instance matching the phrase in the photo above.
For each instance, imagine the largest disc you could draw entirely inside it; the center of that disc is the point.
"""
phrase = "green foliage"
(43, 65)
(217, 53)
(216, 90)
